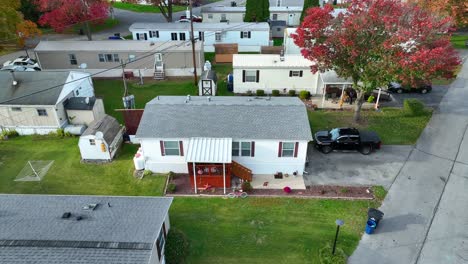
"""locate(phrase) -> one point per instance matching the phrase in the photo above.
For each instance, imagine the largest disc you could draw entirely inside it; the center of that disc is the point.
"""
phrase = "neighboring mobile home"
(82, 229)
(249, 36)
(215, 139)
(152, 58)
(273, 72)
(102, 140)
(34, 102)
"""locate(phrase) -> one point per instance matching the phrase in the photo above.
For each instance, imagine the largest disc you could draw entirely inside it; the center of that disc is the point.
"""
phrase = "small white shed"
(207, 85)
(101, 140)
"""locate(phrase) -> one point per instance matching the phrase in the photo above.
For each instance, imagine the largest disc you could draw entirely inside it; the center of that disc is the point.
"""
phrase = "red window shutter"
(296, 149)
(252, 152)
(280, 149)
(181, 148)
(161, 144)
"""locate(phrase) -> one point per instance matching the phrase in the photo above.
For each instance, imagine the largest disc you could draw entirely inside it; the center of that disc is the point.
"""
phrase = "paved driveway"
(431, 99)
(426, 216)
(353, 168)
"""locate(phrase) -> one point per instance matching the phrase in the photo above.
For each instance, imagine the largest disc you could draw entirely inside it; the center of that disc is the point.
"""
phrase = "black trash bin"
(375, 215)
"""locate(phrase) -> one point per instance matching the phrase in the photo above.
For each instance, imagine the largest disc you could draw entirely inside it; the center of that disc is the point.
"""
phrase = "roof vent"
(91, 207)
(188, 97)
(151, 43)
(66, 215)
(282, 55)
(15, 82)
(79, 218)
(208, 98)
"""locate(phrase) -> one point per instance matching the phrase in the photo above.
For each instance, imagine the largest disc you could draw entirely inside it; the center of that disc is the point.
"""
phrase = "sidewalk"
(425, 210)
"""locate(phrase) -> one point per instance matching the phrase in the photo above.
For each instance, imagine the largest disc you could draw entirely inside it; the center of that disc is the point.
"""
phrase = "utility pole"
(122, 64)
(195, 78)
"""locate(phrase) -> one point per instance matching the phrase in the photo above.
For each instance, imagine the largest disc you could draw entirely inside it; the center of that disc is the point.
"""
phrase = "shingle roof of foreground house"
(283, 118)
(118, 230)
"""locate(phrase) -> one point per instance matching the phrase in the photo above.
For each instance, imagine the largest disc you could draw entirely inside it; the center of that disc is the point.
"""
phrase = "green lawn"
(145, 8)
(262, 230)
(392, 124)
(277, 42)
(458, 41)
(68, 175)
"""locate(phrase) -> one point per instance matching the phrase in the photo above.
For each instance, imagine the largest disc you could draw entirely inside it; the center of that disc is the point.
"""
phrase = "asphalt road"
(426, 216)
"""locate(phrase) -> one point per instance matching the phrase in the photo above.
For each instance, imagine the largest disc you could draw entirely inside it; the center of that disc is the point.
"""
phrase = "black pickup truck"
(347, 139)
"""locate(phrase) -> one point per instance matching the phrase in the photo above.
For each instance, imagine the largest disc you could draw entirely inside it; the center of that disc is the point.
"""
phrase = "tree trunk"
(357, 109)
(88, 30)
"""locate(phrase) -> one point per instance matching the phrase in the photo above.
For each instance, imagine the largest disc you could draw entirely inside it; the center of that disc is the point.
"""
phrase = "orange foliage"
(26, 29)
(457, 9)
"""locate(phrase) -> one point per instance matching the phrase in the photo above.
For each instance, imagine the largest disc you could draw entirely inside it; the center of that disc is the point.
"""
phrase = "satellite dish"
(99, 135)
(83, 66)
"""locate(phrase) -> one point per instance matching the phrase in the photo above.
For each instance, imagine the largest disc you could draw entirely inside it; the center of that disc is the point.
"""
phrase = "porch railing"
(240, 171)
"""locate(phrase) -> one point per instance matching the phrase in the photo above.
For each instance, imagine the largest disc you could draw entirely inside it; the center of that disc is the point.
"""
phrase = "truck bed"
(369, 137)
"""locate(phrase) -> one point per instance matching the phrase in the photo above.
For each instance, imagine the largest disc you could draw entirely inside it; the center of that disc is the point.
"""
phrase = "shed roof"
(115, 45)
(278, 23)
(108, 125)
(201, 26)
(80, 103)
(213, 150)
(31, 86)
(237, 117)
(243, 61)
(223, 9)
(32, 230)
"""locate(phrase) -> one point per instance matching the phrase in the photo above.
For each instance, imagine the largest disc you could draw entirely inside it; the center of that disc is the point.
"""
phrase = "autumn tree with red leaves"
(457, 9)
(61, 14)
(378, 41)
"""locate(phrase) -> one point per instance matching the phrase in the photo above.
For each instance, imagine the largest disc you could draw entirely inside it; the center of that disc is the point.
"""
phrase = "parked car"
(398, 88)
(194, 18)
(22, 61)
(19, 68)
(347, 139)
(183, 20)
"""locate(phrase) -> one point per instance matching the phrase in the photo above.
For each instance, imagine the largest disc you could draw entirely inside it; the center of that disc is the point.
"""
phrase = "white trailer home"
(34, 102)
(273, 72)
(214, 139)
(249, 36)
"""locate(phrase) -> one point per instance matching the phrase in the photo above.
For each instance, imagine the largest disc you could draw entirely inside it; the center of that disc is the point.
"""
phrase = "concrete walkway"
(426, 216)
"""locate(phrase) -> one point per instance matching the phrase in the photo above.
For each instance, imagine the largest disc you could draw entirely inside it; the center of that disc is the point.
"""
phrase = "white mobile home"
(273, 72)
(288, 42)
(210, 138)
(103, 57)
(101, 140)
(215, 14)
(34, 102)
(249, 36)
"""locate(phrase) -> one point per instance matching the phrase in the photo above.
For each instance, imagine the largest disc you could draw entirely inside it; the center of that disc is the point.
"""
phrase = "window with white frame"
(243, 149)
(141, 36)
(171, 148)
(275, 17)
(250, 76)
(108, 57)
(41, 112)
(288, 149)
(210, 16)
(173, 36)
(245, 34)
(73, 60)
(223, 16)
(131, 58)
(218, 36)
(92, 142)
(154, 34)
(295, 73)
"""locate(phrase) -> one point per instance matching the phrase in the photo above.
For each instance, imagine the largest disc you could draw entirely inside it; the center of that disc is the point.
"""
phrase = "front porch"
(268, 181)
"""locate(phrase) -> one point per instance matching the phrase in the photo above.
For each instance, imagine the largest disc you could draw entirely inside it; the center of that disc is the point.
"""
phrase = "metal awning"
(330, 77)
(209, 150)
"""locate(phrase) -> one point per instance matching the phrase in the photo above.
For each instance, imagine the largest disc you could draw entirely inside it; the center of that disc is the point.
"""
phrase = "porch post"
(342, 92)
(224, 177)
(324, 91)
(194, 177)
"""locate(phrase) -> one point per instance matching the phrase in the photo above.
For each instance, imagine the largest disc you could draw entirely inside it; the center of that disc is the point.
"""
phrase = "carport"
(330, 79)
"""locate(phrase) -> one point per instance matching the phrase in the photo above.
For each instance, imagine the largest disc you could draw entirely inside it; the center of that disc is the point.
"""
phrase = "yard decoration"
(378, 41)
(287, 189)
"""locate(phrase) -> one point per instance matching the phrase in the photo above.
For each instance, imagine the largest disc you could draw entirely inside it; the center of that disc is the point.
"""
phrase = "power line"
(116, 67)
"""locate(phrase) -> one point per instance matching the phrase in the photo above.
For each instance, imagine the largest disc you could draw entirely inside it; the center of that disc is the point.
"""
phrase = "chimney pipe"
(15, 82)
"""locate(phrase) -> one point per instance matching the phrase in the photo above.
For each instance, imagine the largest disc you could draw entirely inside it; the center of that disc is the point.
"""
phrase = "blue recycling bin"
(370, 226)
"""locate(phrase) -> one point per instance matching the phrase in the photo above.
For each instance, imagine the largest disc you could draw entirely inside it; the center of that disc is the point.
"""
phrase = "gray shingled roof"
(31, 82)
(129, 220)
(239, 117)
(79, 103)
(108, 125)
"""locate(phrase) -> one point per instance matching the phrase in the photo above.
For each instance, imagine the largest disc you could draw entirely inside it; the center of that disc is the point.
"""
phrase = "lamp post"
(338, 224)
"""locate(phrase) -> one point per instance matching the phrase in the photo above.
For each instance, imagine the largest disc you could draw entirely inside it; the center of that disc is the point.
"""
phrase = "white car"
(184, 20)
(23, 61)
(19, 68)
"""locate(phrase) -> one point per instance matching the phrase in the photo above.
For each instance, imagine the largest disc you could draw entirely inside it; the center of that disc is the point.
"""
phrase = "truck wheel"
(326, 149)
(366, 149)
